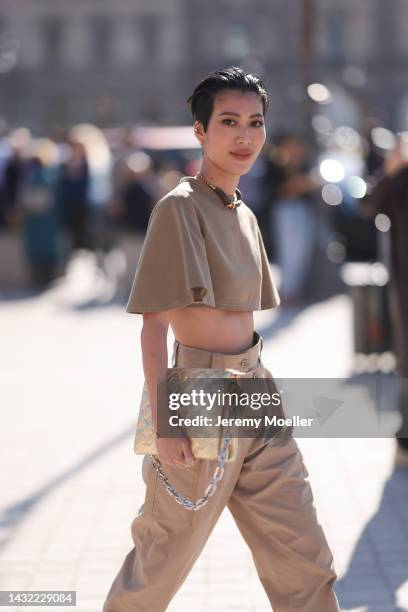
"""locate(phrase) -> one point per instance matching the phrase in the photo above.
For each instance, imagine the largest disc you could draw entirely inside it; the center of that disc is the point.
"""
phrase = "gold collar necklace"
(224, 197)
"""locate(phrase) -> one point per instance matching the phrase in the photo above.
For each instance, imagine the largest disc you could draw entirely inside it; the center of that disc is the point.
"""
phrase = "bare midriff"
(213, 329)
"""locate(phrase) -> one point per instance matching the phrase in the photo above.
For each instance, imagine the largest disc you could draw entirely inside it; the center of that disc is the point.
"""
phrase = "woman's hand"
(175, 451)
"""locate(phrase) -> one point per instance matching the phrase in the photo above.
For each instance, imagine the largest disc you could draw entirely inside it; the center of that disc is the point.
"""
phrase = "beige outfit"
(267, 491)
(198, 252)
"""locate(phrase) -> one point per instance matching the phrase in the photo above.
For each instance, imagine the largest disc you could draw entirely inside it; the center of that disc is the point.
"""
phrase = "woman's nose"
(244, 137)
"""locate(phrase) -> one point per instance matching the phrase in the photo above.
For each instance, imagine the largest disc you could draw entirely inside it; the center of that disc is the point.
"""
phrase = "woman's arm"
(154, 356)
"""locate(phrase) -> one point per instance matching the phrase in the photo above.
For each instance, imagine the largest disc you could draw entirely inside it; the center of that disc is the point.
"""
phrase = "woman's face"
(235, 133)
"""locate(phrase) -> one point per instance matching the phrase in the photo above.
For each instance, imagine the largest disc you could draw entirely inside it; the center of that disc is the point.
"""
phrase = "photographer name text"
(256, 422)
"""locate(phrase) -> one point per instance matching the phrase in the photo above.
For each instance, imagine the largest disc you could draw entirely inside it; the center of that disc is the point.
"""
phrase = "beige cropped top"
(197, 252)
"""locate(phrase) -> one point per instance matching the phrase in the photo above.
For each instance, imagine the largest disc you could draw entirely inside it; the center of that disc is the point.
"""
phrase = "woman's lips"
(242, 156)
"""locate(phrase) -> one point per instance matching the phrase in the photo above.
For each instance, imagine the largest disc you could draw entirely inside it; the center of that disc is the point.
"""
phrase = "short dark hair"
(233, 78)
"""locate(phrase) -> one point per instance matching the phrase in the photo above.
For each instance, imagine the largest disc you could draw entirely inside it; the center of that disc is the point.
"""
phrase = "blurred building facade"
(124, 62)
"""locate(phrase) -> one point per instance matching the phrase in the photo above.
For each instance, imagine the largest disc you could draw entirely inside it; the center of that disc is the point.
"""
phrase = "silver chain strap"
(210, 490)
(216, 477)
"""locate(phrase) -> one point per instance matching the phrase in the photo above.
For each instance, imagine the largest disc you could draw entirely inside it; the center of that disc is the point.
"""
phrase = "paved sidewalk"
(71, 485)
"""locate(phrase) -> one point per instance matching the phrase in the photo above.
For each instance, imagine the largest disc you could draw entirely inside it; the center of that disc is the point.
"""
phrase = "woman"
(203, 270)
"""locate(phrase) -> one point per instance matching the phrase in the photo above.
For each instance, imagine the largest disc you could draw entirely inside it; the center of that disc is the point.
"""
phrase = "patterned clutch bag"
(205, 447)
(221, 447)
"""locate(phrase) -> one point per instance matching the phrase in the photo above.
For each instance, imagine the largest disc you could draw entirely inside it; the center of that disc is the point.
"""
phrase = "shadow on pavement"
(12, 516)
(379, 563)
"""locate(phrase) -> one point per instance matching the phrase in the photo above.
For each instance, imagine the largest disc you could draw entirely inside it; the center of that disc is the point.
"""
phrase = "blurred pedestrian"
(390, 197)
(73, 190)
(98, 235)
(130, 212)
(290, 193)
(12, 179)
(41, 218)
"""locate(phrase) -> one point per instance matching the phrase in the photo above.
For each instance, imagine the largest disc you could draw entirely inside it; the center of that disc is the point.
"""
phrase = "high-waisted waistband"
(190, 356)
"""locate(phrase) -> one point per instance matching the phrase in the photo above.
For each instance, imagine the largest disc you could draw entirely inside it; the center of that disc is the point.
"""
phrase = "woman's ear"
(199, 132)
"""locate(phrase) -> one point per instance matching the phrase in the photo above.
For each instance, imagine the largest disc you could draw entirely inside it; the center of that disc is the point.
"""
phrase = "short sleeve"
(269, 294)
(173, 270)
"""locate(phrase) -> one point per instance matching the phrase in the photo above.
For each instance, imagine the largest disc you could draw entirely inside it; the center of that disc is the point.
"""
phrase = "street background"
(71, 484)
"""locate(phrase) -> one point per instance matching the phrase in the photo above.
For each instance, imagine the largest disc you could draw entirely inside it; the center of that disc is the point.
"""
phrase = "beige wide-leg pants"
(267, 492)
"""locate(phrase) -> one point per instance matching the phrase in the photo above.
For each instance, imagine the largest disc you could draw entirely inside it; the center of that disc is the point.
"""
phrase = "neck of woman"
(219, 178)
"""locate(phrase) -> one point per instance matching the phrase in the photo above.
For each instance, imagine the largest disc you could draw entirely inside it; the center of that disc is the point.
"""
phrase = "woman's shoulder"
(181, 193)
(187, 200)
(174, 207)
(180, 199)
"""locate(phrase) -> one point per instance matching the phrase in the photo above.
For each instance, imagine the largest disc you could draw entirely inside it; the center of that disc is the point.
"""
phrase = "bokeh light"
(383, 138)
(332, 170)
(382, 222)
(356, 186)
(332, 195)
(319, 93)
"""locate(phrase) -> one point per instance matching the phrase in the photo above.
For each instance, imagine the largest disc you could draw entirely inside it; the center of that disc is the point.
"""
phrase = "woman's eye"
(231, 122)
